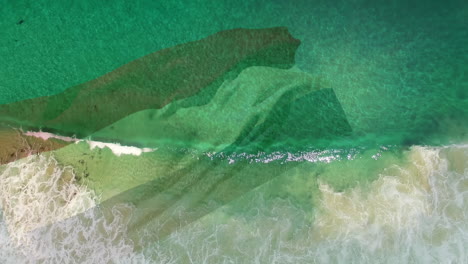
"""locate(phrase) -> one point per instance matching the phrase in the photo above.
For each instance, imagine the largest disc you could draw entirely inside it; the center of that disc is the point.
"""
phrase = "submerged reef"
(262, 108)
(153, 81)
(233, 93)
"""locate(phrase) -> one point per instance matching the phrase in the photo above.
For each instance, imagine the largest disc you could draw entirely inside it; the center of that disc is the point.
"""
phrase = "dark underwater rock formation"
(259, 109)
(153, 81)
(210, 95)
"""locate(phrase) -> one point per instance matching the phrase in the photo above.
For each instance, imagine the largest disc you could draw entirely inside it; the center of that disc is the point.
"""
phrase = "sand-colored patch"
(15, 145)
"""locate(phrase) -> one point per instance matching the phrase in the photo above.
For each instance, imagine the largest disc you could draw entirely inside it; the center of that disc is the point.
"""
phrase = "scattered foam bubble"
(8, 250)
(415, 212)
(48, 217)
(35, 191)
(322, 156)
(95, 236)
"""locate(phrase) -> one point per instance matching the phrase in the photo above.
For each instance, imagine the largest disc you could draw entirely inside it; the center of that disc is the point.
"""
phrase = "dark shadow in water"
(184, 194)
(153, 81)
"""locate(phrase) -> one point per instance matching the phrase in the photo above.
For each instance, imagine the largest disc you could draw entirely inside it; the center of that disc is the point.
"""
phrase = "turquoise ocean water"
(393, 189)
(405, 62)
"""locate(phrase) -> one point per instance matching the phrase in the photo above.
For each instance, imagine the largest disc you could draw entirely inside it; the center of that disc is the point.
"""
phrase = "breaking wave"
(49, 217)
(415, 212)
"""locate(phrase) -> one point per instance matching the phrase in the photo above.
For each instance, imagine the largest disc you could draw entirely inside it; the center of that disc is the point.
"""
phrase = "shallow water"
(355, 155)
(414, 212)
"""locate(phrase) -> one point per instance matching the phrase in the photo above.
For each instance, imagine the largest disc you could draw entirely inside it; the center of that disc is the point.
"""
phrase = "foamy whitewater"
(48, 218)
(415, 212)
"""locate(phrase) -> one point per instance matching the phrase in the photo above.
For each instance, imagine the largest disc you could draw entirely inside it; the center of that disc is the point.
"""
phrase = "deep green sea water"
(395, 68)
(357, 154)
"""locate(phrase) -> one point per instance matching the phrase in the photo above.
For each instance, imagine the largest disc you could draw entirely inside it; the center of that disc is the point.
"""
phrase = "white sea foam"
(48, 217)
(46, 136)
(415, 212)
(35, 191)
(116, 148)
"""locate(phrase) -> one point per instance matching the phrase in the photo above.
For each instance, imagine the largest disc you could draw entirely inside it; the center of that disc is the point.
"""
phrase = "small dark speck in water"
(20, 22)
